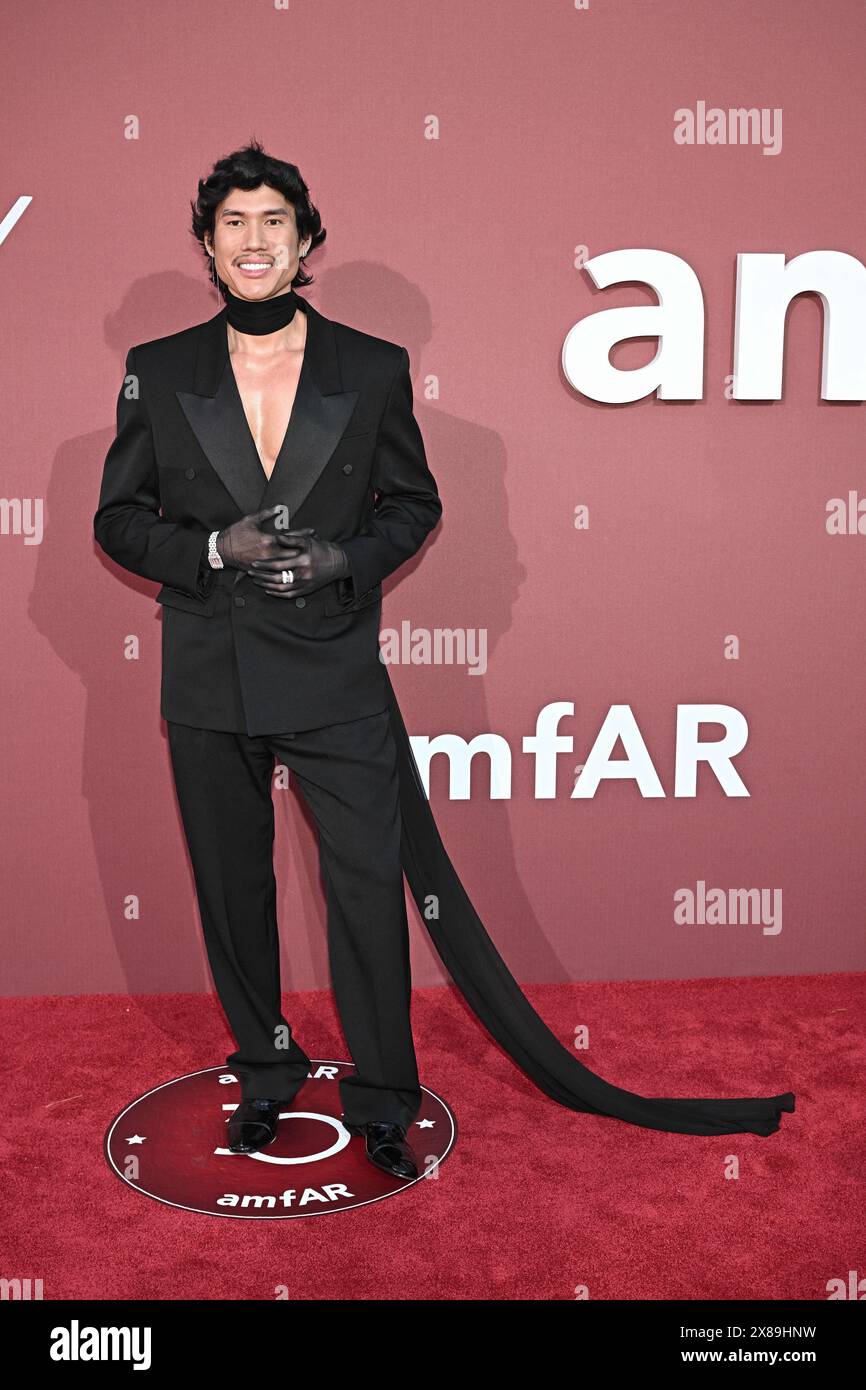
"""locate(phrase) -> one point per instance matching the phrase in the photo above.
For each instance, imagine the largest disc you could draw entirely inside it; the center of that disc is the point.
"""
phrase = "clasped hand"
(266, 555)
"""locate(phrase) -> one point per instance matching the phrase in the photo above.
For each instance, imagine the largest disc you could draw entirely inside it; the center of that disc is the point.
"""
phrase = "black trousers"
(348, 776)
(367, 795)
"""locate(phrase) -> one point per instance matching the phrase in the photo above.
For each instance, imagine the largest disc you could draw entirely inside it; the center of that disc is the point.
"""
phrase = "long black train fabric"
(490, 989)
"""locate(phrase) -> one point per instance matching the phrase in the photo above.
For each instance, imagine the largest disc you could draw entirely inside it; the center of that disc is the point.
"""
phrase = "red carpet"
(536, 1202)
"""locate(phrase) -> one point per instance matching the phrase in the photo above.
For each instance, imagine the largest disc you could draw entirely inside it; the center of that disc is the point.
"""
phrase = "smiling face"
(255, 243)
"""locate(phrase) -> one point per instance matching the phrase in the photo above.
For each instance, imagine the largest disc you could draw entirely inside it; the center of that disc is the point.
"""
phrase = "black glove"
(314, 563)
(249, 539)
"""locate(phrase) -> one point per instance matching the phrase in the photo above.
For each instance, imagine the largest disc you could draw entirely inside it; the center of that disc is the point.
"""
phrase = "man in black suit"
(269, 472)
(282, 451)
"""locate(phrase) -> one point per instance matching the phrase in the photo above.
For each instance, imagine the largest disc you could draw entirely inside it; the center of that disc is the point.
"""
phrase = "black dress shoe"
(386, 1147)
(254, 1125)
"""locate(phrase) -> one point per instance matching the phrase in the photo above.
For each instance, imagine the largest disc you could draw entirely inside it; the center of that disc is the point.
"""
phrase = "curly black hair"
(247, 168)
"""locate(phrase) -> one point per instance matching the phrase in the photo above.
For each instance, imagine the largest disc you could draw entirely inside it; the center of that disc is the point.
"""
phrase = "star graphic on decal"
(425, 1124)
(136, 1139)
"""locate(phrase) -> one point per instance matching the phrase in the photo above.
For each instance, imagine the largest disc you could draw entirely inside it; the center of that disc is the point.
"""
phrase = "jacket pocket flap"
(335, 602)
(176, 598)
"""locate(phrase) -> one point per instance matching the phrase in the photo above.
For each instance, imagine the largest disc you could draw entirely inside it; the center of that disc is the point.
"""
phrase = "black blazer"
(184, 463)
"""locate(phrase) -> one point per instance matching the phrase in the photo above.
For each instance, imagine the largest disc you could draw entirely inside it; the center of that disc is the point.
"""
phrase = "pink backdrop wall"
(706, 519)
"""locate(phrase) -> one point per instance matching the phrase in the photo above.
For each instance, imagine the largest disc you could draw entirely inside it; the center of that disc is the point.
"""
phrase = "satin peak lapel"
(319, 417)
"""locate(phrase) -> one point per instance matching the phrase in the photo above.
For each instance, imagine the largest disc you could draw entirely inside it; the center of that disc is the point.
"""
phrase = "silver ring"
(288, 577)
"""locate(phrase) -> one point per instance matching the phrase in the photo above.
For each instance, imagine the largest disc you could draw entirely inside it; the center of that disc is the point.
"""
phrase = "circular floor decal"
(170, 1144)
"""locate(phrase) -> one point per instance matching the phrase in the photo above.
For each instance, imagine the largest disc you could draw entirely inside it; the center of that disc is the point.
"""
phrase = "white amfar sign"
(766, 284)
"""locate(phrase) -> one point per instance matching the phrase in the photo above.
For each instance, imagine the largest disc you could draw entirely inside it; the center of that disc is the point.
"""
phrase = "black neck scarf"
(261, 315)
